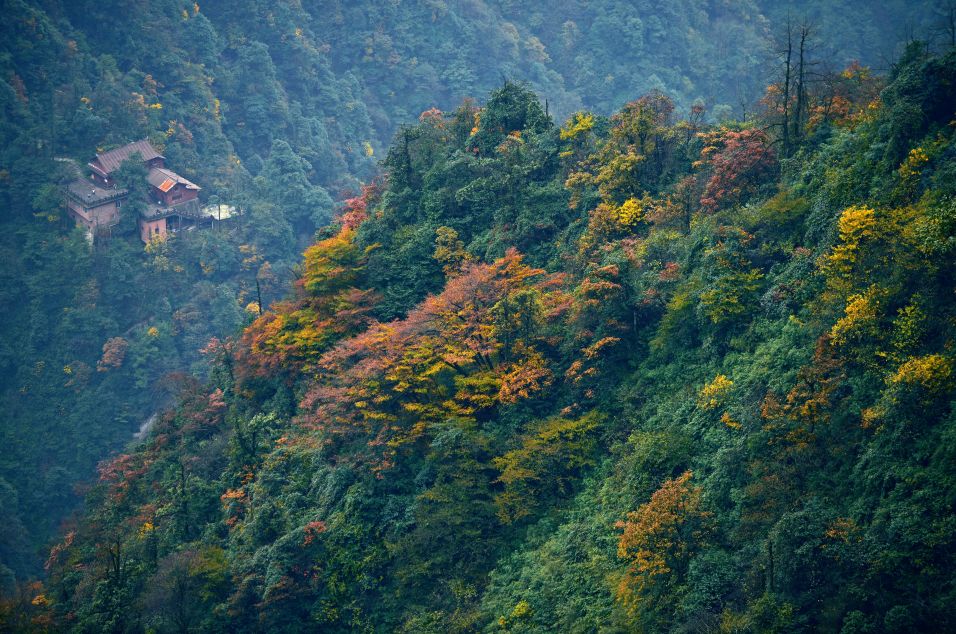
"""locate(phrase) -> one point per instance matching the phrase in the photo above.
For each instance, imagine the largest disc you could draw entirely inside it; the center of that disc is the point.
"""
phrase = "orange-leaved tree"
(329, 305)
(446, 361)
(658, 541)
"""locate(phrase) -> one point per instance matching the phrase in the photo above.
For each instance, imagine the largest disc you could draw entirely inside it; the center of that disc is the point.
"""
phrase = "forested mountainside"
(282, 109)
(629, 373)
(278, 108)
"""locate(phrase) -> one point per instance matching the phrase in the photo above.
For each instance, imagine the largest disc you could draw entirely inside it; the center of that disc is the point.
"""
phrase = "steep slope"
(277, 107)
(711, 389)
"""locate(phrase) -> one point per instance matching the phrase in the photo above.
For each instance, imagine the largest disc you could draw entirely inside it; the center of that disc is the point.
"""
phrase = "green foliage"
(545, 465)
(629, 374)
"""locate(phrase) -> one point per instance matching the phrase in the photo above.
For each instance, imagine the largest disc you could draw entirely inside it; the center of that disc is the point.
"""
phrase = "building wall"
(79, 214)
(178, 195)
(175, 196)
(149, 229)
(105, 215)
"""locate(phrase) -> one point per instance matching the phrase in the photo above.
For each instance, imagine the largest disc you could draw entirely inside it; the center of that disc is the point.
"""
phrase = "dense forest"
(656, 335)
(275, 107)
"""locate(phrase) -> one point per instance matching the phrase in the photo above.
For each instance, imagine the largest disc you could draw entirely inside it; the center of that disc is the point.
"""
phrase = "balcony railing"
(187, 209)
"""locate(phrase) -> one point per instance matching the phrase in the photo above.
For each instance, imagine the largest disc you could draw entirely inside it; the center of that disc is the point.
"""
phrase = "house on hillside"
(92, 206)
(172, 204)
(173, 200)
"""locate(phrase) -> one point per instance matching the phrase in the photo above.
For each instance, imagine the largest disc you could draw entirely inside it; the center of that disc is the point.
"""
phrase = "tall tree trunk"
(801, 88)
(788, 65)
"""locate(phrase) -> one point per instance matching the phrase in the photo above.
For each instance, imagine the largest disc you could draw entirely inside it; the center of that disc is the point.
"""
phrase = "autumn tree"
(739, 162)
(658, 541)
(394, 382)
(295, 333)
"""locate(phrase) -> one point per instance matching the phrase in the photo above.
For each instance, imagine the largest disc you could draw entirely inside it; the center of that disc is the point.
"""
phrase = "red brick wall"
(149, 229)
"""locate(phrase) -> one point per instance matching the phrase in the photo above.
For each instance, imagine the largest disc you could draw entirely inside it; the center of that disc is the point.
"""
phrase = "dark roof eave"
(99, 170)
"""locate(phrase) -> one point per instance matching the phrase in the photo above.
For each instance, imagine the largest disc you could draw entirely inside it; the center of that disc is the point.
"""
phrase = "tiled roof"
(164, 180)
(110, 161)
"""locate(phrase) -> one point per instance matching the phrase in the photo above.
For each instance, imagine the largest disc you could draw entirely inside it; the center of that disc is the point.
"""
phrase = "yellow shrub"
(727, 420)
(579, 123)
(630, 213)
(860, 319)
(914, 162)
(712, 394)
(856, 225)
(932, 372)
